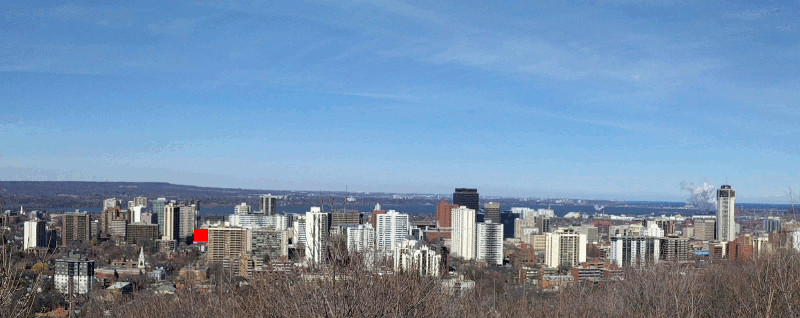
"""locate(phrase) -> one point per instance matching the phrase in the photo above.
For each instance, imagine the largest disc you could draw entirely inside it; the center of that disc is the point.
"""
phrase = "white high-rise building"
(34, 234)
(564, 247)
(653, 230)
(635, 251)
(136, 213)
(412, 256)
(391, 229)
(242, 209)
(316, 235)
(463, 232)
(360, 238)
(490, 243)
(726, 206)
(299, 229)
(111, 203)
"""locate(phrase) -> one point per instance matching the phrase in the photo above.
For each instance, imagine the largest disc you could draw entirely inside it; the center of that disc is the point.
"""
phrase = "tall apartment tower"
(492, 212)
(76, 228)
(34, 234)
(316, 235)
(360, 238)
(490, 242)
(463, 233)
(565, 247)
(242, 209)
(443, 211)
(187, 220)
(168, 222)
(74, 275)
(467, 197)
(158, 210)
(268, 203)
(393, 228)
(726, 204)
(225, 246)
(140, 201)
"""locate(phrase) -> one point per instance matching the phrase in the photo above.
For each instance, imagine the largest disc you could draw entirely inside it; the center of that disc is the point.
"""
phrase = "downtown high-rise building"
(269, 244)
(565, 247)
(463, 233)
(158, 210)
(137, 233)
(140, 201)
(726, 207)
(242, 209)
(269, 203)
(467, 197)
(360, 238)
(443, 212)
(169, 222)
(186, 222)
(74, 275)
(111, 203)
(393, 228)
(34, 234)
(414, 257)
(316, 228)
(489, 243)
(75, 228)
(491, 212)
(226, 245)
(636, 251)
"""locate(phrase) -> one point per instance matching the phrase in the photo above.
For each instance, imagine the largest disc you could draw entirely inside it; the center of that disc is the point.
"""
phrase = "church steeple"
(141, 259)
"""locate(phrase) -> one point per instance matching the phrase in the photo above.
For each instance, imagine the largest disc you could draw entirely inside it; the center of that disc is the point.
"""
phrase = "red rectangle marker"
(201, 235)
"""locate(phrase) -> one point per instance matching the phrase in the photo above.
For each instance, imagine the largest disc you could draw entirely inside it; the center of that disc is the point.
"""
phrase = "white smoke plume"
(599, 207)
(703, 197)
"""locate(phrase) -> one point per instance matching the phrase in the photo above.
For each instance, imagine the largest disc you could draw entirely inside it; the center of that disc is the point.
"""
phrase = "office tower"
(467, 197)
(726, 205)
(508, 220)
(443, 211)
(94, 229)
(360, 238)
(490, 243)
(112, 214)
(771, 224)
(74, 275)
(75, 228)
(413, 256)
(225, 245)
(168, 223)
(339, 218)
(564, 247)
(491, 211)
(316, 236)
(269, 244)
(393, 228)
(544, 224)
(463, 233)
(187, 221)
(268, 203)
(635, 251)
(111, 203)
(242, 209)
(34, 234)
(140, 201)
(674, 248)
(158, 210)
(705, 229)
(137, 233)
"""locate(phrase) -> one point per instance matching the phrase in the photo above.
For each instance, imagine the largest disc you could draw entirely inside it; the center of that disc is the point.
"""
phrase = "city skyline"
(609, 100)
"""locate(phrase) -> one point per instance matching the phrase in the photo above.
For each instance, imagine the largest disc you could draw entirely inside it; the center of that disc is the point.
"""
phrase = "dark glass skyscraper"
(467, 197)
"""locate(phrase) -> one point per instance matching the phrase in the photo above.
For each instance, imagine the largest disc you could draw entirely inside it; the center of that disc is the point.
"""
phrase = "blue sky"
(591, 99)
